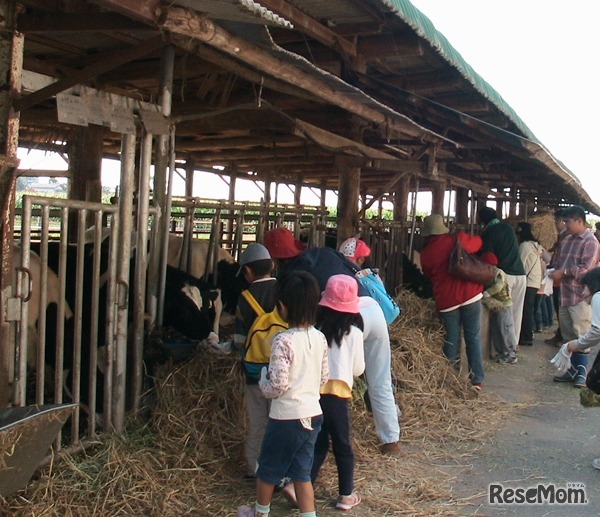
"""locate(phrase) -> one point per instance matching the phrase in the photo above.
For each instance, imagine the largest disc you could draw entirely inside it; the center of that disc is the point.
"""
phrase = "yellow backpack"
(257, 350)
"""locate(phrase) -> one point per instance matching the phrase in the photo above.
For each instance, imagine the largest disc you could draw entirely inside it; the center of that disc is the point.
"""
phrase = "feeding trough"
(26, 434)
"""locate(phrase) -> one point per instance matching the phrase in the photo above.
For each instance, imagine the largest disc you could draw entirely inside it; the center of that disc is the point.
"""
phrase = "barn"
(364, 98)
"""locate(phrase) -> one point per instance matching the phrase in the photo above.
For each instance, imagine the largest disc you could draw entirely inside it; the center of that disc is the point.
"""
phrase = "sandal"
(596, 463)
(347, 502)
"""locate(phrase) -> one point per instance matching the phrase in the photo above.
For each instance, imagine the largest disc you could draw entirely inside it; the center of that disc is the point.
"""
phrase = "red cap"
(281, 244)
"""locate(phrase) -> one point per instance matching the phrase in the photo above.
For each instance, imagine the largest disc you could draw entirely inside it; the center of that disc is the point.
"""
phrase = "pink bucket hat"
(341, 294)
(355, 248)
(281, 244)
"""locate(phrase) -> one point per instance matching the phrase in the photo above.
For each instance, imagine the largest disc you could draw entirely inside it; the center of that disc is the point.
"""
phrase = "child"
(340, 320)
(496, 298)
(297, 369)
(256, 266)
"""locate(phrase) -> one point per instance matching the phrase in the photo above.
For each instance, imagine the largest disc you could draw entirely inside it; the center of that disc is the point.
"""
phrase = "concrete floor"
(552, 439)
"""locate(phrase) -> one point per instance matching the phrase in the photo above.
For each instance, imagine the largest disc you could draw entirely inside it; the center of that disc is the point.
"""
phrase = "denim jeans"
(378, 371)
(547, 311)
(544, 312)
(466, 317)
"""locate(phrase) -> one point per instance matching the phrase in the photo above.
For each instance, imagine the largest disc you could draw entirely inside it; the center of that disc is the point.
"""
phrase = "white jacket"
(531, 256)
(348, 360)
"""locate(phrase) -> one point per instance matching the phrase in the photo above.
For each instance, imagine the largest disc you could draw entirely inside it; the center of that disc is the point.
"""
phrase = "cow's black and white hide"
(190, 305)
(194, 260)
(225, 278)
(194, 319)
(414, 280)
(231, 286)
(330, 236)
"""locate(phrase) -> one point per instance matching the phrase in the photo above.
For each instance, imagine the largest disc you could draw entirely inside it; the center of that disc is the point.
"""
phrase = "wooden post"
(267, 202)
(230, 221)
(437, 198)
(401, 199)
(298, 191)
(11, 66)
(323, 200)
(190, 169)
(347, 208)
(461, 206)
(85, 168)
(124, 252)
(160, 227)
(514, 199)
(499, 205)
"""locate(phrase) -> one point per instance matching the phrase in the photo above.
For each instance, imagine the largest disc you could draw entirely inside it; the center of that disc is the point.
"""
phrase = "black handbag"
(469, 267)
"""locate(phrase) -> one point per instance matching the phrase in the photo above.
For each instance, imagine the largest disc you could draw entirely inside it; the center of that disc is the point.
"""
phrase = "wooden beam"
(63, 48)
(403, 166)
(311, 27)
(41, 173)
(383, 47)
(143, 10)
(299, 152)
(276, 141)
(102, 64)
(337, 143)
(195, 26)
(387, 188)
(75, 22)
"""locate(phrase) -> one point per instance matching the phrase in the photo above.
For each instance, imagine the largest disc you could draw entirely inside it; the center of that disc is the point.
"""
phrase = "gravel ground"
(551, 439)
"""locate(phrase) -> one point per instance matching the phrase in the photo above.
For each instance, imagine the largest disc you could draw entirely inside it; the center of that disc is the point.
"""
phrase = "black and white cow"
(189, 307)
(195, 262)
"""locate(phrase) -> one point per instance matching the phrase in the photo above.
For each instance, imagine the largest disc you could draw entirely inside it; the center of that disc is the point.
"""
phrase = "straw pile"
(8, 442)
(543, 229)
(188, 460)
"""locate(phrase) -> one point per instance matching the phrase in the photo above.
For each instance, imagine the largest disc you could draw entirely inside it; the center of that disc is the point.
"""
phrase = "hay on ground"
(188, 460)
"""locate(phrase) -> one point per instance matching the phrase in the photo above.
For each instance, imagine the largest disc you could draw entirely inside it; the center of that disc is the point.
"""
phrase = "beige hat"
(433, 225)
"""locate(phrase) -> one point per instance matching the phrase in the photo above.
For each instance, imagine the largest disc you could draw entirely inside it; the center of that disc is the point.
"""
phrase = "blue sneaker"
(566, 377)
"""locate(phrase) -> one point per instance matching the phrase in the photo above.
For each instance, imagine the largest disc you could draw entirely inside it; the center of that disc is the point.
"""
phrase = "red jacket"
(448, 290)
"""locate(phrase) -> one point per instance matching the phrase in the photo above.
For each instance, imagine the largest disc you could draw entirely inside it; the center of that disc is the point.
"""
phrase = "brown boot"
(391, 449)
(554, 340)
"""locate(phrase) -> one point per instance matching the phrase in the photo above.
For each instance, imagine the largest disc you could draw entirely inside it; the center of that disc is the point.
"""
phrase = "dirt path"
(552, 439)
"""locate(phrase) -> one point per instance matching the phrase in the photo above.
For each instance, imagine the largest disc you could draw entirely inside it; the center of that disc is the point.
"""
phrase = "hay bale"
(542, 225)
